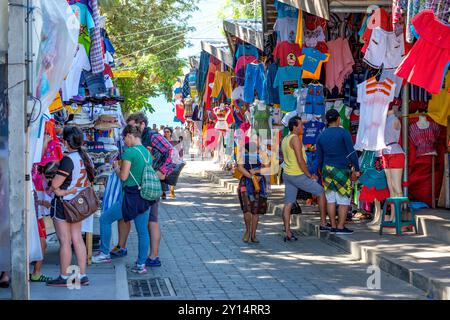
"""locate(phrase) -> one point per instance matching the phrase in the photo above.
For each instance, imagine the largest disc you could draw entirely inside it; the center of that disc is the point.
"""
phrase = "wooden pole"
(89, 238)
(18, 191)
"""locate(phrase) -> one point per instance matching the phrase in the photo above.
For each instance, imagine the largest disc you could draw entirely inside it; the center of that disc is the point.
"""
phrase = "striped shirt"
(374, 98)
(424, 139)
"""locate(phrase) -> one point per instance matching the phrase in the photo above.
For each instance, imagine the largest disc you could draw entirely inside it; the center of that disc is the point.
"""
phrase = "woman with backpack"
(135, 160)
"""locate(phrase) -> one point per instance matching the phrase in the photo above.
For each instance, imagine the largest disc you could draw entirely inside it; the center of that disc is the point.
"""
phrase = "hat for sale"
(104, 171)
(332, 115)
(81, 119)
(106, 122)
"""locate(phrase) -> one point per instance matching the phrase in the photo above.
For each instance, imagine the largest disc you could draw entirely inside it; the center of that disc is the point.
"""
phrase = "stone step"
(434, 223)
(420, 260)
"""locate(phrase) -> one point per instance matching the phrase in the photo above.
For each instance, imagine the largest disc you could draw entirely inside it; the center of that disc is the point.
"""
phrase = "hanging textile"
(96, 53)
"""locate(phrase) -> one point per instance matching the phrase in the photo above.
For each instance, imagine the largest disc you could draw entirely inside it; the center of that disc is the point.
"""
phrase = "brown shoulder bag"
(82, 206)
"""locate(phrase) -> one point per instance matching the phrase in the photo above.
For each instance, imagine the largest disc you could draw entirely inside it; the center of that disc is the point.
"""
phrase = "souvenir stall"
(255, 112)
(88, 99)
(354, 57)
(214, 80)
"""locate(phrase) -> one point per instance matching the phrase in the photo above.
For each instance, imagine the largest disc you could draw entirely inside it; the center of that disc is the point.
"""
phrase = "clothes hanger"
(380, 71)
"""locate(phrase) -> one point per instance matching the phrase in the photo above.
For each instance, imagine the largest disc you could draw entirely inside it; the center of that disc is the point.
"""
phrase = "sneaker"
(153, 262)
(332, 230)
(139, 268)
(84, 281)
(58, 282)
(344, 231)
(326, 228)
(118, 252)
(100, 257)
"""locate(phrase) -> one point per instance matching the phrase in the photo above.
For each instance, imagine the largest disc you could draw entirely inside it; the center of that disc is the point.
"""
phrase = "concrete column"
(18, 193)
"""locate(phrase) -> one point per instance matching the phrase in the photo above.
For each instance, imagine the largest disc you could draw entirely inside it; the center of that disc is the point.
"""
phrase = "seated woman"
(252, 190)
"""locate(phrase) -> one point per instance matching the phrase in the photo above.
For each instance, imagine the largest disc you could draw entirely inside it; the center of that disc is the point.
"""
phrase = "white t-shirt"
(374, 98)
(286, 28)
(70, 85)
(238, 93)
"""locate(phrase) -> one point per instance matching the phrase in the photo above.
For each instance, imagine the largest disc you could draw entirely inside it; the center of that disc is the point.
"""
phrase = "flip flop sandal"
(292, 238)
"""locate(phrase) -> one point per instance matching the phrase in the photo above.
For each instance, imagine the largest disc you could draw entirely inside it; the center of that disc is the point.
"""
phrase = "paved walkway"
(204, 257)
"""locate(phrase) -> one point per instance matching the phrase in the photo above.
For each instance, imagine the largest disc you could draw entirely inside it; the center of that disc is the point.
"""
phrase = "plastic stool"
(398, 223)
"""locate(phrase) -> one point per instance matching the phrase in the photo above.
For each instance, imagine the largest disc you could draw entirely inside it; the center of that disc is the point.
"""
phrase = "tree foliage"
(241, 9)
(147, 35)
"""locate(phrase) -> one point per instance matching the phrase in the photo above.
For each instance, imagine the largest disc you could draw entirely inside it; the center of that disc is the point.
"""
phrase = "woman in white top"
(75, 173)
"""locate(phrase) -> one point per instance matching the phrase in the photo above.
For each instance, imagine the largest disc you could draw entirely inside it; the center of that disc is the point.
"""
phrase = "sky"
(208, 26)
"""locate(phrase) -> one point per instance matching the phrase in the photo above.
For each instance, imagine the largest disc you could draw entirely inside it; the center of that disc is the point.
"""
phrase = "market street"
(204, 257)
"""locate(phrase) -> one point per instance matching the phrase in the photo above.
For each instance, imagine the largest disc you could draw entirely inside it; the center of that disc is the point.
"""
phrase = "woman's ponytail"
(87, 163)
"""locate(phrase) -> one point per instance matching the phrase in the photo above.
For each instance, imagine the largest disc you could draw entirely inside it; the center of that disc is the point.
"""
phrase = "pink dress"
(426, 63)
(340, 64)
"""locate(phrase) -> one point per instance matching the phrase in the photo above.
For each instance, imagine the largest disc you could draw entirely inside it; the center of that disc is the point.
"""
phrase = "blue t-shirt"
(285, 10)
(287, 80)
(311, 131)
(335, 148)
(312, 59)
(246, 50)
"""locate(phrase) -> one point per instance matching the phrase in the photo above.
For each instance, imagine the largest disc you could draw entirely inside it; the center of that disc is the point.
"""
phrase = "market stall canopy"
(322, 8)
(249, 31)
(219, 50)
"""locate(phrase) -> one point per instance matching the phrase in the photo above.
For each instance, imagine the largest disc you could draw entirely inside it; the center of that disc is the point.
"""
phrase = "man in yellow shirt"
(297, 176)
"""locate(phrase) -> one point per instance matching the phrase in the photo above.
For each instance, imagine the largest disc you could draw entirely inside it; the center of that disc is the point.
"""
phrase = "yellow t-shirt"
(439, 105)
(291, 166)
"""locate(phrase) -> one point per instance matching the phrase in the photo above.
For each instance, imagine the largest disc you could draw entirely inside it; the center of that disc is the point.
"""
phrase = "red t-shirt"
(288, 53)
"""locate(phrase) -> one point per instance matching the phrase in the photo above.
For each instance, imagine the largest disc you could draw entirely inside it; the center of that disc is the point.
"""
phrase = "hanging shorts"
(385, 48)
(394, 161)
(41, 228)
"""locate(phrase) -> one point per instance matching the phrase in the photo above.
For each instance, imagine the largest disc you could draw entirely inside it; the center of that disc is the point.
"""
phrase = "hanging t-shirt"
(344, 112)
(439, 105)
(354, 124)
(81, 11)
(312, 61)
(374, 98)
(287, 80)
(70, 86)
(286, 28)
(285, 10)
(246, 50)
(311, 131)
(288, 53)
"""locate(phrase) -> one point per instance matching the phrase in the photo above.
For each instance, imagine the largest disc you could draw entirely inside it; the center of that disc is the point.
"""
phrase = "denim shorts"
(153, 216)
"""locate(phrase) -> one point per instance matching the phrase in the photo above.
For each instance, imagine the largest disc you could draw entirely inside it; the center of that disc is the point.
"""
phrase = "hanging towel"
(113, 191)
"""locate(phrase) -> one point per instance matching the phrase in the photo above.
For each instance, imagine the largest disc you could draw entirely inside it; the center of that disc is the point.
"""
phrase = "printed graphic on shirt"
(291, 59)
(289, 86)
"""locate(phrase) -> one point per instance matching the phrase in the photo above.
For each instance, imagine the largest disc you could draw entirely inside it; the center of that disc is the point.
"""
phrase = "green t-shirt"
(137, 163)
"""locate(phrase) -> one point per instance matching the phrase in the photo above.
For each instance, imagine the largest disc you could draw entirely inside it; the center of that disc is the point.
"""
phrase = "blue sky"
(208, 26)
